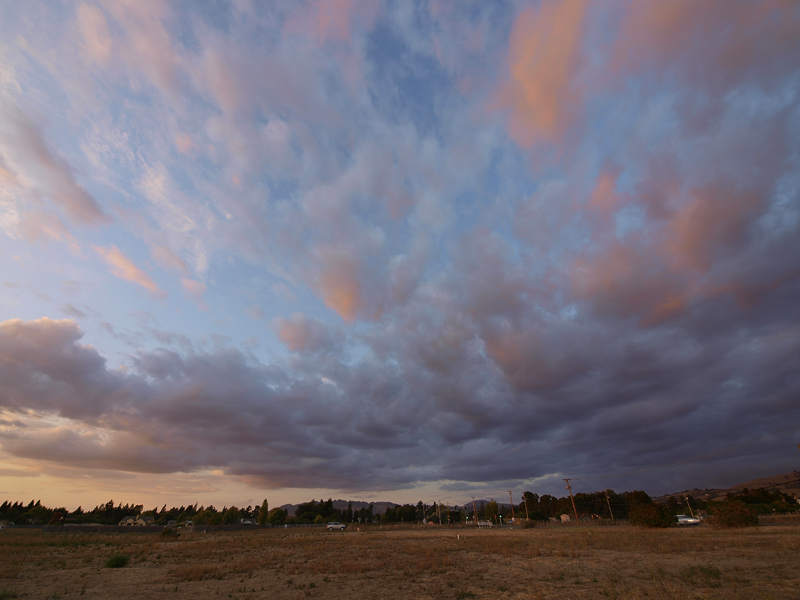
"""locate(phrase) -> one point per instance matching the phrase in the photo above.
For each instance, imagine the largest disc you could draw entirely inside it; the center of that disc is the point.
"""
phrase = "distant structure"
(137, 521)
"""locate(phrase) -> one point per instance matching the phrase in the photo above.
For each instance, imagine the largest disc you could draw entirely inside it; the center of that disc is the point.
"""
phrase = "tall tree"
(492, 510)
(263, 513)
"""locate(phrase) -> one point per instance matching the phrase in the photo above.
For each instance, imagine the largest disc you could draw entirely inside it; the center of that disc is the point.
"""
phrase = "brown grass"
(409, 562)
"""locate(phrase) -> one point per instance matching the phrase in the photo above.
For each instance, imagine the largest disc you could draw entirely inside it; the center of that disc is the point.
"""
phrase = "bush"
(169, 533)
(528, 523)
(651, 515)
(117, 561)
(732, 513)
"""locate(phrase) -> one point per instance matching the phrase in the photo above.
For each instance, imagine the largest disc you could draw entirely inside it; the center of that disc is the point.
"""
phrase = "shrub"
(651, 515)
(732, 513)
(117, 561)
(528, 523)
(169, 533)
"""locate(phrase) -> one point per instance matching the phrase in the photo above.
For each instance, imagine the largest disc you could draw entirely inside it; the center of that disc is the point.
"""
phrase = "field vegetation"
(405, 562)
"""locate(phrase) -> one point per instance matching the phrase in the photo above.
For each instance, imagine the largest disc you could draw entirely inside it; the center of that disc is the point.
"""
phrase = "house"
(137, 521)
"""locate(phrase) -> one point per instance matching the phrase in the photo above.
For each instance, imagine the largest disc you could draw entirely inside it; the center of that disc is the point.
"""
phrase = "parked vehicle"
(334, 525)
(684, 520)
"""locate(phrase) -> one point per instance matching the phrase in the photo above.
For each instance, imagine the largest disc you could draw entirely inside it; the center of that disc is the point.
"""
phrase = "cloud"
(17, 473)
(23, 147)
(195, 290)
(255, 312)
(307, 336)
(96, 37)
(169, 259)
(71, 311)
(543, 59)
(44, 368)
(123, 267)
(577, 280)
(333, 21)
(37, 225)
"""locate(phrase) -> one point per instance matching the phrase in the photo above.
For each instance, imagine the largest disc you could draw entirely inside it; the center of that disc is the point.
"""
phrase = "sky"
(396, 250)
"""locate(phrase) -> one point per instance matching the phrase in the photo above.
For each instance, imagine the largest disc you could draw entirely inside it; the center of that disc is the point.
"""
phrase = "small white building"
(137, 521)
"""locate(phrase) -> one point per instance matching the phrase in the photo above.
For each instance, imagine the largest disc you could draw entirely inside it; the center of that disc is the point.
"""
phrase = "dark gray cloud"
(472, 381)
(607, 292)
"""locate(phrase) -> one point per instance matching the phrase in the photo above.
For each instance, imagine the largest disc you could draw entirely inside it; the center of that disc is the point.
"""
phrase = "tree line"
(606, 504)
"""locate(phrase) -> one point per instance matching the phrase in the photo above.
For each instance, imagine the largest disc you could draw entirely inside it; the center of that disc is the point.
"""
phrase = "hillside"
(788, 483)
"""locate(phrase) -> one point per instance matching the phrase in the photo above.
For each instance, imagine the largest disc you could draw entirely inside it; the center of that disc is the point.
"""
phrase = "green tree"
(276, 516)
(492, 511)
(651, 515)
(231, 516)
(263, 513)
(732, 513)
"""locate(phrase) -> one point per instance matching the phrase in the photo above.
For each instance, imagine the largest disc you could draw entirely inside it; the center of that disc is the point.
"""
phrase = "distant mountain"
(788, 483)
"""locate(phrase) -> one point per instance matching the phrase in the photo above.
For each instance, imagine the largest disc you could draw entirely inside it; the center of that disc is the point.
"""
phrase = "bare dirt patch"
(571, 562)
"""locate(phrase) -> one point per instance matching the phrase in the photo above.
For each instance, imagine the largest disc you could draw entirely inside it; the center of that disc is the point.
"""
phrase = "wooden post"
(573, 502)
(609, 507)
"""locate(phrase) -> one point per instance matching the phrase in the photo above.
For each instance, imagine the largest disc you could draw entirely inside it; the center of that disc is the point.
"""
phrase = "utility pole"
(448, 513)
(527, 514)
(691, 512)
(474, 511)
(609, 507)
(512, 504)
(573, 501)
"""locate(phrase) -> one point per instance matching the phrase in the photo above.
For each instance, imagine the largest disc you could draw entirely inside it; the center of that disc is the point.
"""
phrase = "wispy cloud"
(123, 267)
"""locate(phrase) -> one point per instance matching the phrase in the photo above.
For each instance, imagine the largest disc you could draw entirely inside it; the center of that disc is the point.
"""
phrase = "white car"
(684, 520)
(334, 525)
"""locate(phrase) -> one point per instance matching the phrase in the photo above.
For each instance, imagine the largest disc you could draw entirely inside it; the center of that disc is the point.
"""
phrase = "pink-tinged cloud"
(123, 267)
(715, 220)
(333, 20)
(301, 333)
(39, 225)
(184, 143)
(604, 198)
(543, 58)
(629, 280)
(147, 47)
(711, 44)
(23, 147)
(167, 258)
(195, 290)
(97, 42)
(340, 287)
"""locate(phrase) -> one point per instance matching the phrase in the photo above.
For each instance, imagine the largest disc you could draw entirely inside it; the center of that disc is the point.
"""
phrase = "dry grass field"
(411, 562)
